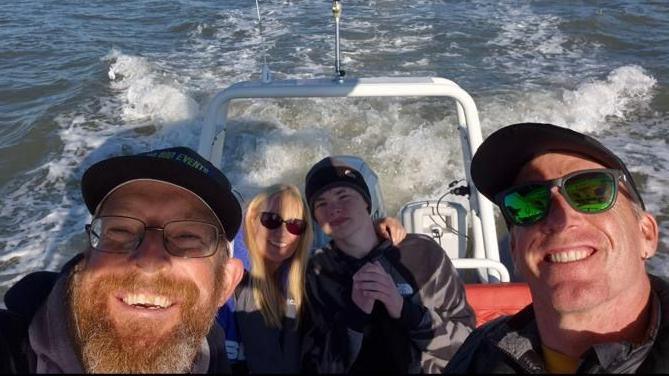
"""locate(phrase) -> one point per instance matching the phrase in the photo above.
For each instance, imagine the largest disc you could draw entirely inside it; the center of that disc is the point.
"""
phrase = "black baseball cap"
(332, 172)
(180, 166)
(500, 157)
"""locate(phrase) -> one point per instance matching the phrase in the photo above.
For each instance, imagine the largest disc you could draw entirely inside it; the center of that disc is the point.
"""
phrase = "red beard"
(137, 345)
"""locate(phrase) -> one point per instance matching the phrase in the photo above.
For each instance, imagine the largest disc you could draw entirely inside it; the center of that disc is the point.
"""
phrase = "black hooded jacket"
(435, 318)
(512, 345)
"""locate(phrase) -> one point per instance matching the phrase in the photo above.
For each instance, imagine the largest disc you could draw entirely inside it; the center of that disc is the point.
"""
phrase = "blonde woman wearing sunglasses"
(270, 299)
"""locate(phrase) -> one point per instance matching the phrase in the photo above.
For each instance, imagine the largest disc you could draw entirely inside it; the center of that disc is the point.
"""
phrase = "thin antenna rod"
(265, 73)
(336, 12)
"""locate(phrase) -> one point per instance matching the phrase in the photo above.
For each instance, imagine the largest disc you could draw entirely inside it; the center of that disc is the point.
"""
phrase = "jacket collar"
(352, 263)
(518, 337)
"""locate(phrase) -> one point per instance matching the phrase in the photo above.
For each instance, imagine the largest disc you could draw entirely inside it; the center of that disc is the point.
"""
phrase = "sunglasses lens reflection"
(527, 204)
(591, 192)
(295, 226)
(272, 221)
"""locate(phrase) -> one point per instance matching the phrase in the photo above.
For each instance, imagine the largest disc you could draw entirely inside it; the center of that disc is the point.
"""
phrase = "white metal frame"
(485, 248)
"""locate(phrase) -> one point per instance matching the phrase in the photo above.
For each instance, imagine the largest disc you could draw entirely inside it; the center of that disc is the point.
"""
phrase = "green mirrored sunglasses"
(587, 191)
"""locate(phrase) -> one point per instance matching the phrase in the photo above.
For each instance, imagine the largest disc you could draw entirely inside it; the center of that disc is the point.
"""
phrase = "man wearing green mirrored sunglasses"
(580, 236)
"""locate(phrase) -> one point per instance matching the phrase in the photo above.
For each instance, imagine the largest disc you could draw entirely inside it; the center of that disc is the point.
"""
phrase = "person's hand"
(364, 302)
(391, 229)
(373, 282)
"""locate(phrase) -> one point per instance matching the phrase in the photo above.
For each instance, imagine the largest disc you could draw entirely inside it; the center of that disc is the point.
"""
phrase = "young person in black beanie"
(375, 307)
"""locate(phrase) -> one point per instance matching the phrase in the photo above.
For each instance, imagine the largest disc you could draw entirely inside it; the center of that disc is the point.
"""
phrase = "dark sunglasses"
(273, 220)
(587, 191)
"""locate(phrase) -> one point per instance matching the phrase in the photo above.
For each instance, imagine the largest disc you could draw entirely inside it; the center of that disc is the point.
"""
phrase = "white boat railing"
(485, 246)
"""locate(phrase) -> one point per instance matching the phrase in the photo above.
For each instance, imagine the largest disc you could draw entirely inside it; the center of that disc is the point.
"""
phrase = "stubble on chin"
(136, 345)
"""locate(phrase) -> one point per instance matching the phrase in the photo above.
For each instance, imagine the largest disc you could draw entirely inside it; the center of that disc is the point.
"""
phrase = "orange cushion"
(492, 300)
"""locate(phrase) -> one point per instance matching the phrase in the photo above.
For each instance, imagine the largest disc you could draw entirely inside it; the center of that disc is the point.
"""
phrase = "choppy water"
(80, 81)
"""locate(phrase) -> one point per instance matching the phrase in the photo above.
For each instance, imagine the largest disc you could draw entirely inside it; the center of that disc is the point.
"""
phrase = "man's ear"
(649, 235)
(233, 272)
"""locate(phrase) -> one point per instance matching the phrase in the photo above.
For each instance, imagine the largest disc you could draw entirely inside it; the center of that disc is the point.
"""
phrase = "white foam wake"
(148, 94)
(592, 106)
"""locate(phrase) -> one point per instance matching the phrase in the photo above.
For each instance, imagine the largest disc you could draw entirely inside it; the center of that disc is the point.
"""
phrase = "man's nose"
(334, 208)
(151, 255)
(560, 215)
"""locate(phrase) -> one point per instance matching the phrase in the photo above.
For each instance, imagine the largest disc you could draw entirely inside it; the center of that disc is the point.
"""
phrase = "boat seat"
(492, 300)
(447, 222)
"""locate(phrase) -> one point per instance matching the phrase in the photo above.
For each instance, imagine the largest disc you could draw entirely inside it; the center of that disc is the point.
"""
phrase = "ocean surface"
(81, 81)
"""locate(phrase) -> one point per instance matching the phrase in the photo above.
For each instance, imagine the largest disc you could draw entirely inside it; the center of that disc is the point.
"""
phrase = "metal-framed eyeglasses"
(181, 238)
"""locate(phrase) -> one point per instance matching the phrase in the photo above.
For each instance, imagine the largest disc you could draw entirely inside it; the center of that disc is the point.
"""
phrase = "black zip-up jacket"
(27, 296)
(434, 322)
(512, 345)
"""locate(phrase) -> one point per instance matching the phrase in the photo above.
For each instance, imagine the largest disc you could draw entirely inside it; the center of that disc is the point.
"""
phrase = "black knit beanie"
(332, 172)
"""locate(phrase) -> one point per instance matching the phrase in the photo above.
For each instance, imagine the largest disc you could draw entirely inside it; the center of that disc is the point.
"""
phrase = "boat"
(462, 222)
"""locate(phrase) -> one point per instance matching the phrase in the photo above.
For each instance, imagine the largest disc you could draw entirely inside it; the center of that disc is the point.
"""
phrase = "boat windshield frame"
(484, 243)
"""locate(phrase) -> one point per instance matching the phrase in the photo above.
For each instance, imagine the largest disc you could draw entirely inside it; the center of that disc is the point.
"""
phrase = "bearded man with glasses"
(143, 297)
(580, 236)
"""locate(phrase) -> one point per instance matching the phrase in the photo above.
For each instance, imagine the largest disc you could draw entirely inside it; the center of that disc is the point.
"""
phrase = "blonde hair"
(267, 292)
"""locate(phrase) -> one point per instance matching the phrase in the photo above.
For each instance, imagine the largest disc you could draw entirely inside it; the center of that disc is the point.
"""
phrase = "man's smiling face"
(148, 311)
(576, 262)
